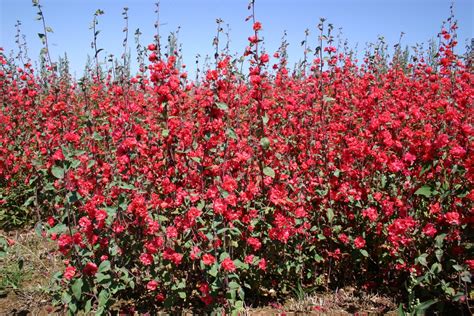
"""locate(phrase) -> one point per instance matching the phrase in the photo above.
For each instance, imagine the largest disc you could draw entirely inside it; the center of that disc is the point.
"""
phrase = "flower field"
(244, 187)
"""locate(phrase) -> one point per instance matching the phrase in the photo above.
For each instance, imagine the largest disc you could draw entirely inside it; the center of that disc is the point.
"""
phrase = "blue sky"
(361, 21)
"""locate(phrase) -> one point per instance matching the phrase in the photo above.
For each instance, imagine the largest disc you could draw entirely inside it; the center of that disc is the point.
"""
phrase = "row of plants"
(213, 193)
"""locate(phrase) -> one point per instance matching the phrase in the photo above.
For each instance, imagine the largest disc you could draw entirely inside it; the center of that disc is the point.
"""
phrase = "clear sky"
(361, 21)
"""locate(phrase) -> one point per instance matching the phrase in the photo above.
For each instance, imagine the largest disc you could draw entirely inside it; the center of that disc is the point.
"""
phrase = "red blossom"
(228, 265)
(146, 259)
(257, 26)
(359, 242)
(69, 273)
(208, 259)
(152, 285)
(90, 269)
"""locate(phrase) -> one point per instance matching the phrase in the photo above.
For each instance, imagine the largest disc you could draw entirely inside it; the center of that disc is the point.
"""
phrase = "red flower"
(254, 243)
(85, 222)
(177, 258)
(228, 265)
(470, 264)
(359, 242)
(457, 152)
(51, 221)
(370, 213)
(69, 273)
(343, 238)
(249, 259)
(193, 213)
(264, 58)
(58, 155)
(429, 230)
(207, 299)
(152, 57)
(229, 184)
(204, 288)
(90, 268)
(146, 259)
(452, 218)
(435, 208)
(152, 285)
(257, 26)
(160, 297)
(208, 259)
(100, 215)
(253, 39)
(171, 232)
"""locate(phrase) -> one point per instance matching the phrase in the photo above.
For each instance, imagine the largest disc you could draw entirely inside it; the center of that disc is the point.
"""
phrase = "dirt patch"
(25, 273)
(340, 303)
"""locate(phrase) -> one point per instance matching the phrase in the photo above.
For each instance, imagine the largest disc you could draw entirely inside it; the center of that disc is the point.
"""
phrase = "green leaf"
(422, 307)
(424, 190)
(439, 240)
(104, 266)
(75, 163)
(111, 210)
(383, 182)
(88, 306)
(74, 197)
(126, 186)
(72, 307)
(196, 159)
(458, 267)
(66, 298)
(101, 277)
(182, 295)
(58, 172)
(103, 297)
(91, 163)
(239, 305)
(241, 265)
(436, 268)
(265, 142)
(424, 169)
(58, 229)
(422, 259)
(222, 106)
(165, 132)
(234, 285)
(328, 99)
(330, 214)
(401, 311)
(439, 254)
(223, 256)
(231, 133)
(201, 205)
(77, 289)
(269, 172)
(99, 311)
(265, 119)
(213, 270)
(466, 276)
(97, 136)
(364, 253)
